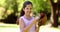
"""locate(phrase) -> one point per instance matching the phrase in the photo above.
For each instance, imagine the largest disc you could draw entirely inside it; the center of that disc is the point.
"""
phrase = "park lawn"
(49, 29)
(3, 25)
(15, 28)
(9, 27)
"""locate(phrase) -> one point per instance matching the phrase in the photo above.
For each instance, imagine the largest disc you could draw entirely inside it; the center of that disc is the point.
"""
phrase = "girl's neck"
(27, 17)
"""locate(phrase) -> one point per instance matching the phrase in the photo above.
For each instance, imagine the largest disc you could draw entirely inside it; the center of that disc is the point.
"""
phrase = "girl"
(27, 22)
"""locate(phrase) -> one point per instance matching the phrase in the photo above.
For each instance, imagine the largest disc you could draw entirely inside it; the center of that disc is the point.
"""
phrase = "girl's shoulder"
(21, 17)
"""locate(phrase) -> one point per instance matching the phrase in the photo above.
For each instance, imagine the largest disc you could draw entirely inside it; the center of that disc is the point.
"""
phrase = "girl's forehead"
(29, 6)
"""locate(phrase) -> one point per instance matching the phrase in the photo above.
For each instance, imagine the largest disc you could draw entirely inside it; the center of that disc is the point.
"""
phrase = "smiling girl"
(26, 21)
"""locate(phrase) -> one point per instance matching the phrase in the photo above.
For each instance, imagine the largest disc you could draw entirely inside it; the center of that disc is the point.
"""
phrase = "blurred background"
(10, 11)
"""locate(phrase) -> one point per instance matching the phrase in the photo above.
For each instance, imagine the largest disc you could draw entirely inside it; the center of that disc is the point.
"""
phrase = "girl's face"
(28, 9)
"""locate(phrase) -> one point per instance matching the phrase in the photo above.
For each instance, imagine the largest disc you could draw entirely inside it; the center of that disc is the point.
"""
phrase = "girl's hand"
(37, 17)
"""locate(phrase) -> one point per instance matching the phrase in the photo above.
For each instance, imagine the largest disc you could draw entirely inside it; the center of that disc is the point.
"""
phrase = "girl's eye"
(30, 8)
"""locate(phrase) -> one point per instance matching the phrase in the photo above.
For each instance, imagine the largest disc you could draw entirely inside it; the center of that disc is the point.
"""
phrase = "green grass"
(2, 25)
(49, 29)
(15, 28)
(9, 27)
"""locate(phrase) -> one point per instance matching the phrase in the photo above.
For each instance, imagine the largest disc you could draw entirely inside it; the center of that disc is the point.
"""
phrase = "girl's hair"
(24, 5)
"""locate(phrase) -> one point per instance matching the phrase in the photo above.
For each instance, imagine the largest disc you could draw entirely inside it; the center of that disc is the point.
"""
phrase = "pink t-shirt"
(27, 22)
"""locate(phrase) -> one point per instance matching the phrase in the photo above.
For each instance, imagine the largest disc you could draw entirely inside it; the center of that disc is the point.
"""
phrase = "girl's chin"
(28, 14)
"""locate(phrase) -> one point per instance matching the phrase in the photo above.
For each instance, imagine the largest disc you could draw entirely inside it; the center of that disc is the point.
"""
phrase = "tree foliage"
(16, 5)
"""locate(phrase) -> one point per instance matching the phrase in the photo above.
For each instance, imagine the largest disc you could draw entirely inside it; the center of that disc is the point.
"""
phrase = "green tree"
(41, 5)
(11, 4)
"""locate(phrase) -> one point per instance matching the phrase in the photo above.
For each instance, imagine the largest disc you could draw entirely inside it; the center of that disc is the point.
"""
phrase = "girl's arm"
(26, 29)
(37, 29)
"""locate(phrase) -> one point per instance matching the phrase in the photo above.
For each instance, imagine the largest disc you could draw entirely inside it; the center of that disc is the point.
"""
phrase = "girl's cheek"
(25, 11)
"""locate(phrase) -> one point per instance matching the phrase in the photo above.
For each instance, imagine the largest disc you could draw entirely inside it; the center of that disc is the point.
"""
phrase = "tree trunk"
(59, 9)
(54, 16)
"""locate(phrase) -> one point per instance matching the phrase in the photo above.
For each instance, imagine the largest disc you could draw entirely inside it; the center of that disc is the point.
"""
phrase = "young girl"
(27, 22)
